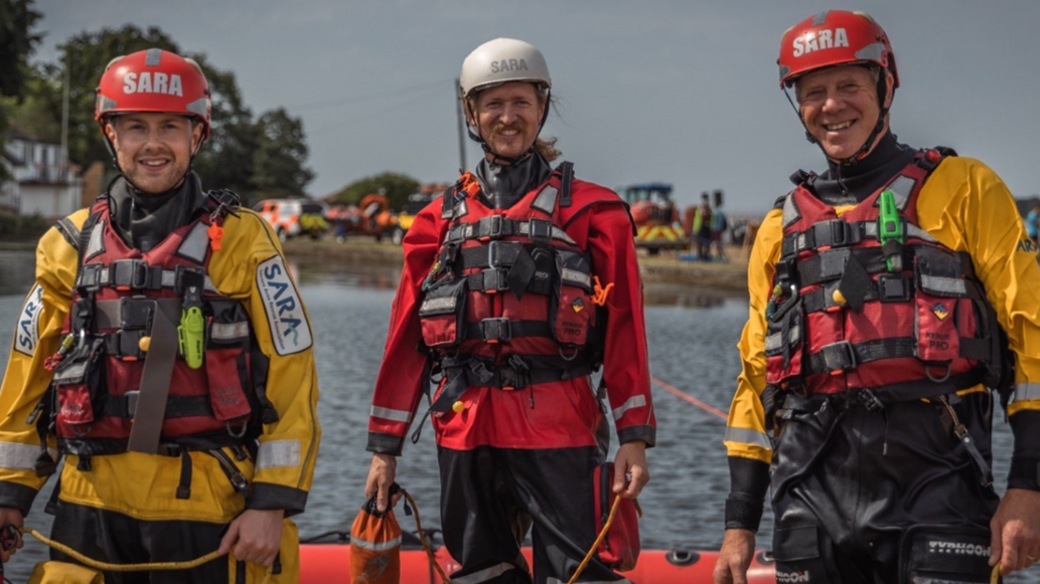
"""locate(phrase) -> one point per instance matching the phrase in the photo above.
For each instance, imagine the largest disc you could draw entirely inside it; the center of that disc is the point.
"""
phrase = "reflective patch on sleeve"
(17, 456)
(290, 331)
(636, 401)
(27, 334)
(1027, 391)
(747, 436)
(392, 415)
(278, 453)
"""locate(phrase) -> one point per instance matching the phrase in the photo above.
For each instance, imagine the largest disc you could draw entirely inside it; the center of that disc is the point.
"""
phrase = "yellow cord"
(599, 539)
(142, 567)
(994, 576)
(422, 538)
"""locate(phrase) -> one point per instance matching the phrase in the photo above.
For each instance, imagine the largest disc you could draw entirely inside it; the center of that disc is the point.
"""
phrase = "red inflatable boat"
(329, 563)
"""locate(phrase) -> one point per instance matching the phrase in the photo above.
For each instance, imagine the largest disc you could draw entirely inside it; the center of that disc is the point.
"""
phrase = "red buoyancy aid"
(117, 295)
(843, 317)
(509, 301)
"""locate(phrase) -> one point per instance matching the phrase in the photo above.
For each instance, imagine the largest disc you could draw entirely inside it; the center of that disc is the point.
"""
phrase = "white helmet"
(501, 61)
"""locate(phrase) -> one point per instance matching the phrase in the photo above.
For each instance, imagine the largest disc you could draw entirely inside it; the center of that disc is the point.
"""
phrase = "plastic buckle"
(128, 345)
(838, 231)
(135, 313)
(496, 330)
(893, 288)
(839, 357)
(539, 229)
(494, 280)
(130, 400)
(496, 226)
(133, 274)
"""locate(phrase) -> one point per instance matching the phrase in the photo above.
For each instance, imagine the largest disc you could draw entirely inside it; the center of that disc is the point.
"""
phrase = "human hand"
(10, 516)
(256, 535)
(380, 476)
(1015, 531)
(738, 547)
(631, 473)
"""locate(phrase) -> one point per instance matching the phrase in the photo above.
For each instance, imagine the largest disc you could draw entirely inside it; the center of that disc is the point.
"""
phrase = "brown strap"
(155, 380)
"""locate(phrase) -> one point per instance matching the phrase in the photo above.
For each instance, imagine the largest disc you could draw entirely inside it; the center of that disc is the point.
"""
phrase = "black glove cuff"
(1025, 473)
(743, 512)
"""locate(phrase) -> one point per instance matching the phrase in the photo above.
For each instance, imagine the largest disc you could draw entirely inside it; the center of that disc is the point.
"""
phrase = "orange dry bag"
(375, 545)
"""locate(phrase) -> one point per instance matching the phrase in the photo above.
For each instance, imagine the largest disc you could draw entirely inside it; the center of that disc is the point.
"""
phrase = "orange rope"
(422, 538)
(599, 539)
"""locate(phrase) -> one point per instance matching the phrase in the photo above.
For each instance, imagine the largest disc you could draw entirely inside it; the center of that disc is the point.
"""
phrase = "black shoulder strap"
(779, 202)
(566, 169)
(69, 231)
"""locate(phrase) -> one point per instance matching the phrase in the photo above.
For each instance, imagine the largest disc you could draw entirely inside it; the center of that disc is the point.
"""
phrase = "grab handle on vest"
(890, 229)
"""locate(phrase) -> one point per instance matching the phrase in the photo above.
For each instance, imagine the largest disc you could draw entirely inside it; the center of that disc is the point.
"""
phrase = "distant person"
(719, 224)
(702, 229)
(518, 283)
(1033, 224)
(874, 357)
(168, 357)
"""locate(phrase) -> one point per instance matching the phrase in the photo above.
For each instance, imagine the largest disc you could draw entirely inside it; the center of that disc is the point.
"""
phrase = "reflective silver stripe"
(574, 276)
(442, 303)
(747, 436)
(96, 244)
(636, 401)
(546, 200)
(230, 331)
(195, 244)
(917, 232)
(774, 341)
(18, 456)
(392, 415)
(944, 285)
(1027, 391)
(376, 547)
(152, 57)
(71, 373)
(278, 453)
(791, 212)
(483, 575)
(901, 188)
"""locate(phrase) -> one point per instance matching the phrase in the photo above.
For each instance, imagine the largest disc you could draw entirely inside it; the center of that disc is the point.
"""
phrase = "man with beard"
(518, 283)
(880, 294)
(168, 356)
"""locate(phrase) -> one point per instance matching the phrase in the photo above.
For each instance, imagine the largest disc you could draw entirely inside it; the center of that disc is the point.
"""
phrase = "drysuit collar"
(504, 185)
(143, 219)
(843, 185)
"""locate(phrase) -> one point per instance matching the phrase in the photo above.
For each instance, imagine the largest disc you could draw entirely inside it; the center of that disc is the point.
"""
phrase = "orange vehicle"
(293, 217)
(371, 216)
(655, 216)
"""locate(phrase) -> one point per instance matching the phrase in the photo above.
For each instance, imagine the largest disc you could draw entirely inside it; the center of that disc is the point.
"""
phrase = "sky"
(678, 91)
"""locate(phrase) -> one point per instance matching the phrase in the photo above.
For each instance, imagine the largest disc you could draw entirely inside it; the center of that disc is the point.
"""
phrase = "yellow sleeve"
(967, 207)
(250, 268)
(36, 337)
(745, 429)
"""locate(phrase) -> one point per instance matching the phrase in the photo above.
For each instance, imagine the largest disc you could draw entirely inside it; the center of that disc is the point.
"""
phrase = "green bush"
(22, 227)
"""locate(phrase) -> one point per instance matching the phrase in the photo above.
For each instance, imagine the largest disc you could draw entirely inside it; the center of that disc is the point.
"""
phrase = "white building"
(43, 182)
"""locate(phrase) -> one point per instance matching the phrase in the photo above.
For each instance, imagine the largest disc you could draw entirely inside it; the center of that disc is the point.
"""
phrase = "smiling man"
(169, 360)
(891, 308)
(518, 283)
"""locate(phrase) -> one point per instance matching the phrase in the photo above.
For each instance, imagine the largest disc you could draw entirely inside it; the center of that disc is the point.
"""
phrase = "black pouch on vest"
(939, 554)
(442, 314)
(572, 311)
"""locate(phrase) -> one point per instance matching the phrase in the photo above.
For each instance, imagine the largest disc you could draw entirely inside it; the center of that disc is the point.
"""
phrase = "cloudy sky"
(681, 91)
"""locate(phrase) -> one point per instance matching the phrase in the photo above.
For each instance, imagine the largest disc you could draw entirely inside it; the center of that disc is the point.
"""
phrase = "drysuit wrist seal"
(1024, 473)
(743, 512)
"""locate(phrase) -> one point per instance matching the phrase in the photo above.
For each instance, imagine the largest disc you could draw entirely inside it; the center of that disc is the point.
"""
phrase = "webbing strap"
(155, 379)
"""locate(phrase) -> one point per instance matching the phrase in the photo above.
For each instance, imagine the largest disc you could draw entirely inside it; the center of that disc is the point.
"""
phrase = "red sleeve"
(626, 367)
(401, 380)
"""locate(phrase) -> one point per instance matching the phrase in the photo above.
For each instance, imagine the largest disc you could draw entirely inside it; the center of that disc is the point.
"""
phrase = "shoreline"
(666, 268)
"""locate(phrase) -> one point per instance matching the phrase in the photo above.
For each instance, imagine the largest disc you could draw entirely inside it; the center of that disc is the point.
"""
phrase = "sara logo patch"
(940, 311)
(290, 331)
(27, 335)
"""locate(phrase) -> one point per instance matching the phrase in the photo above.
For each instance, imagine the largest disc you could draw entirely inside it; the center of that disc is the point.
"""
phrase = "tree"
(17, 43)
(395, 186)
(279, 159)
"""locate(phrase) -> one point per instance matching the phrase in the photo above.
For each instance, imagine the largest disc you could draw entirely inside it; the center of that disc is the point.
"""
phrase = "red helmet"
(834, 37)
(153, 80)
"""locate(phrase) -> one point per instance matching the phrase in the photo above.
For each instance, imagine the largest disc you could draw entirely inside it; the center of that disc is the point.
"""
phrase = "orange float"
(329, 563)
